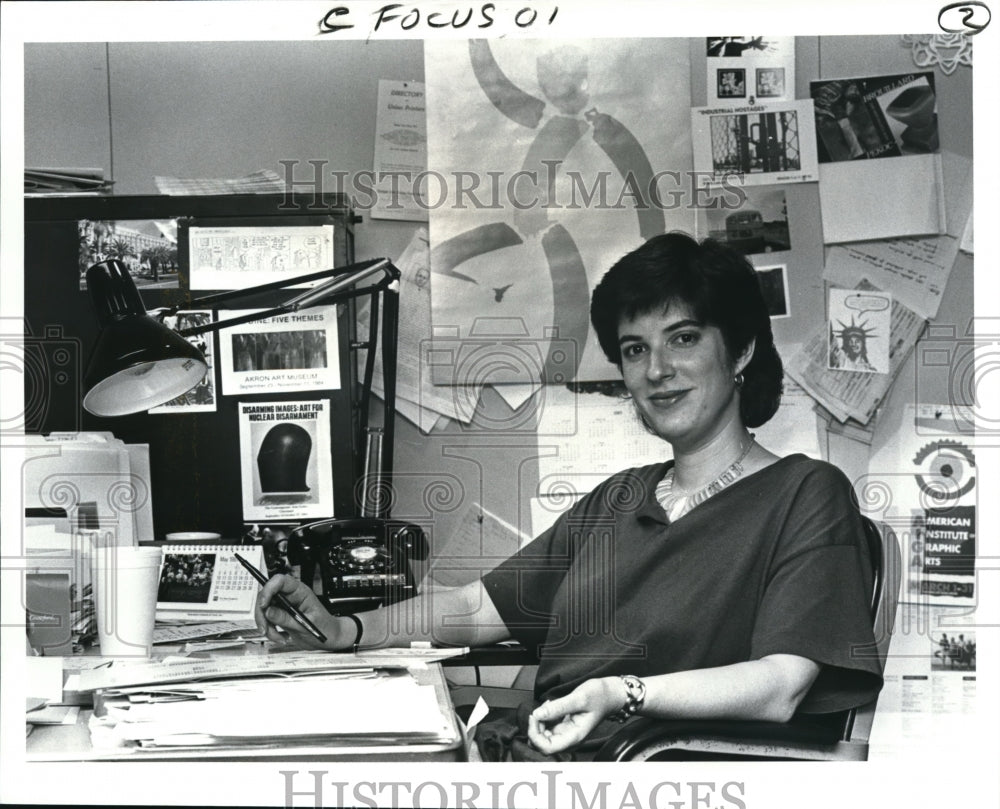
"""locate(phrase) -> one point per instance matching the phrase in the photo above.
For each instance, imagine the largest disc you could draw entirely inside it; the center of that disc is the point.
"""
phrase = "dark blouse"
(775, 563)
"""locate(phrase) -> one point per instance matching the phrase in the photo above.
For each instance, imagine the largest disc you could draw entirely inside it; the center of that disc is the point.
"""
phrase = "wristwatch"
(635, 694)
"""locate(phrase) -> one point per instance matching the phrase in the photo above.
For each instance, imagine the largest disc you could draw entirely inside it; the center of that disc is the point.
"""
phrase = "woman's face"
(679, 374)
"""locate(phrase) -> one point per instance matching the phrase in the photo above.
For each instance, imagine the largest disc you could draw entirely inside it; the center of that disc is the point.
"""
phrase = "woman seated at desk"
(725, 583)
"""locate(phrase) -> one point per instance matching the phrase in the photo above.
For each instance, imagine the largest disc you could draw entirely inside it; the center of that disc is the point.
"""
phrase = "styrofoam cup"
(125, 584)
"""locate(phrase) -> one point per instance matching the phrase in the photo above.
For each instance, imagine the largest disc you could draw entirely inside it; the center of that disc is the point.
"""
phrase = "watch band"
(635, 695)
(358, 626)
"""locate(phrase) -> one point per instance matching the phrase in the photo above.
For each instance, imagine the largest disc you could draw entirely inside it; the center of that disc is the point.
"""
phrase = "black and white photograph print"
(732, 82)
(737, 46)
(774, 285)
(279, 351)
(769, 145)
(147, 247)
(186, 578)
(759, 225)
(201, 398)
(954, 650)
(770, 82)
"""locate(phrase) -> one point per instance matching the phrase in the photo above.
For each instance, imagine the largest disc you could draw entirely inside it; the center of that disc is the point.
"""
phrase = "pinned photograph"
(955, 650)
(201, 398)
(774, 285)
(732, 82)
(859, 331)
(272, 538)
(770, 82)
(148, 247)
(759, 225)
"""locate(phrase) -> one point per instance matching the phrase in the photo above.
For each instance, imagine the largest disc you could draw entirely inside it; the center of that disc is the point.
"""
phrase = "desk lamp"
(139, 363)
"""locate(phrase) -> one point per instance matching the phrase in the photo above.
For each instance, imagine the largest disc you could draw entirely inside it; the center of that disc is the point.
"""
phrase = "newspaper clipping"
(241, 257)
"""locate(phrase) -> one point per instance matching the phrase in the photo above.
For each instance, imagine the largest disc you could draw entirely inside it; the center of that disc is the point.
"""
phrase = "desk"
(72, 742)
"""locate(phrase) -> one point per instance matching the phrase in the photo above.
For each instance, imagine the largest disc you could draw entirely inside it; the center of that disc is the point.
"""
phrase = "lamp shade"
(137, 362)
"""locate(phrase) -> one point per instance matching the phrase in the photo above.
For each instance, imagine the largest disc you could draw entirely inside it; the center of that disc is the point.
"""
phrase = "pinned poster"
(285, 460)
(923, 482)
(754, 143)
(296, 351)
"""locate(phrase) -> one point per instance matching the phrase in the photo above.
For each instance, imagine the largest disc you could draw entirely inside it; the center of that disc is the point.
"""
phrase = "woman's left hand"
(561, 723)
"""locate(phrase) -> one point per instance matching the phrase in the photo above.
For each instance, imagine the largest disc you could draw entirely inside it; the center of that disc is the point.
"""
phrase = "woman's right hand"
(271, 617)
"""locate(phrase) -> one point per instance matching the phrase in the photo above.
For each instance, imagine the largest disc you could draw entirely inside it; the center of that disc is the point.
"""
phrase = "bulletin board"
(195, 451)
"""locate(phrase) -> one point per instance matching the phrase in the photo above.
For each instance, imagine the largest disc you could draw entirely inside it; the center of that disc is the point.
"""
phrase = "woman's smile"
(667, 399)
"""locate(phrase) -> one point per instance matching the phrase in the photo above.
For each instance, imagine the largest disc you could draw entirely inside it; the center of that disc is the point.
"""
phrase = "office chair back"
(883, 548)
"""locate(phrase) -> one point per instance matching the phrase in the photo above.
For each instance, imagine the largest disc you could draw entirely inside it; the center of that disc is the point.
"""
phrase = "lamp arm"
(334, 290)
(390, 335)
(283, 309)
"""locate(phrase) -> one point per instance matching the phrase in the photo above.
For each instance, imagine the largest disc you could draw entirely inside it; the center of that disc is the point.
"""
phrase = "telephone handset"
(363, 561)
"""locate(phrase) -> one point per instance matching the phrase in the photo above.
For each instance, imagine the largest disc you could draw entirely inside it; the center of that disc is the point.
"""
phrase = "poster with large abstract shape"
(548, 161)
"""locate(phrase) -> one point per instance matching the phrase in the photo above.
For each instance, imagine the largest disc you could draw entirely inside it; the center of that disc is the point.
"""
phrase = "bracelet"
(360, 629)
(635, 694)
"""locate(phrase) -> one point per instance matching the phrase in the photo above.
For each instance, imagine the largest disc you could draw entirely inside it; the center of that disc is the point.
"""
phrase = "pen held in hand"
(283, 602)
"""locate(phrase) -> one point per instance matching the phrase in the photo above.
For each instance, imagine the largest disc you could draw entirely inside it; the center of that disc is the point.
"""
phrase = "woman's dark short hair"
(721, 289)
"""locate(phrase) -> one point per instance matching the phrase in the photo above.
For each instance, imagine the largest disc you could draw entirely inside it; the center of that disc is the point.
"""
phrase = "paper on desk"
(44, 678)
(54, 715)
(176, 633)
(122, 673)
(315, 707)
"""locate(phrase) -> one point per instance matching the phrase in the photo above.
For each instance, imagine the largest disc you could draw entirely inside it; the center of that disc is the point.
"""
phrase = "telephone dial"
(363, 561)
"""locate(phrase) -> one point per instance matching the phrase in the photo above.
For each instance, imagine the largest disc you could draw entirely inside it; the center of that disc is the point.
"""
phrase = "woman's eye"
(685, 338)
(632, 351)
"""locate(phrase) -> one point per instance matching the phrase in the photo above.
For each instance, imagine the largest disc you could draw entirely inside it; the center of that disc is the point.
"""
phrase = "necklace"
(677, 505)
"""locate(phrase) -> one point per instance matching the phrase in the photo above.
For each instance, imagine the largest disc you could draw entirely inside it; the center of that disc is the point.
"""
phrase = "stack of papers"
(362, 705)
(66, 181)
(324, 699)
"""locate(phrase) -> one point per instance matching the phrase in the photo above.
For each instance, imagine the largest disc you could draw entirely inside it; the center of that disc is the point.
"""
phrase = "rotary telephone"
(363, 562)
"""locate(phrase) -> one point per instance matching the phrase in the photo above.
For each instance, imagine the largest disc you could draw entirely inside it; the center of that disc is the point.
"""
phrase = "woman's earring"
(738, 379)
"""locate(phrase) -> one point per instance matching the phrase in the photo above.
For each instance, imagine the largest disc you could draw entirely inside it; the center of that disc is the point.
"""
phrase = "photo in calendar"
(202, 582)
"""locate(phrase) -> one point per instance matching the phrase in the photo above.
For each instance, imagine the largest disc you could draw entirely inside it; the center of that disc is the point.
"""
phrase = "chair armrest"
(501, 654)
(804, 737)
